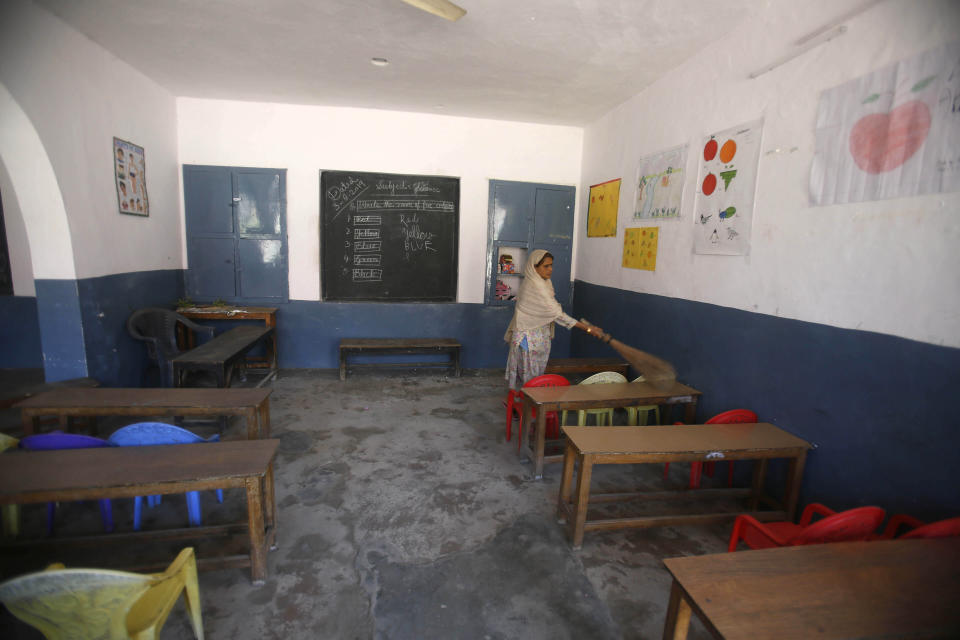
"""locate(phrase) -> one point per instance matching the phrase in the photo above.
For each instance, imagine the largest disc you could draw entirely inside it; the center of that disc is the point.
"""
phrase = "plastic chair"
(157, 328)
(734, 416)
(11, 512)
(56, 440)
(604, 415)
(948, 528)
(515, 405)
(157, 433)
(88, 604)
(845, 526)
(639, 416)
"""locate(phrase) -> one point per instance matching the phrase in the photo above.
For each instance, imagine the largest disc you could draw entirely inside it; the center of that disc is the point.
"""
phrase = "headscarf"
(537, 304)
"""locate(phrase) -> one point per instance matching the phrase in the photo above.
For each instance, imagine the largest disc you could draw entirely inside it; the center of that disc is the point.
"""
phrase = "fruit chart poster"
(723, 211)
(890, 134)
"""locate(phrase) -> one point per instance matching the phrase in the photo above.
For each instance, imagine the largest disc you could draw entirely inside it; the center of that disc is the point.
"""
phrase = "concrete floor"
(404, 513)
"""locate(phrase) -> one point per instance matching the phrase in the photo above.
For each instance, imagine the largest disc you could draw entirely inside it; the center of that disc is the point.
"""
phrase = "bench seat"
(400, 346)
(221, 354)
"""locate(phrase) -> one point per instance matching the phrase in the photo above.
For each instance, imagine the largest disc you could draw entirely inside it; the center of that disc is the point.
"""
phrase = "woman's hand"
(592, 329)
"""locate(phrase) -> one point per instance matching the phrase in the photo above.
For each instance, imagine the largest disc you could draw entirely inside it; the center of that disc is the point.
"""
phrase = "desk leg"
(343, 365)
(582, 498)
(565, 482)
(759, 478)
(690, 412)
(678, 615)
(264, 411)
(792, 491)
(31, 422)
(540, 438)
(258, 556)
(270, 509)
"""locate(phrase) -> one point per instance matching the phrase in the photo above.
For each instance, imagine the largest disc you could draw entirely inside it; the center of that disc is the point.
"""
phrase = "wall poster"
(723, 211)
(660, 179)
(891, 134)
(640, 248)
(602, 212)
(130, 174)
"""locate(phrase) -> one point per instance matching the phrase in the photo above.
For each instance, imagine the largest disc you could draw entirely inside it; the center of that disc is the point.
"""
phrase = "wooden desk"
(126, 472)
(222, 354)
(253, 404)
(595, 396)
(881, 589)
(267, 314)
(676, 443)
(567, 366)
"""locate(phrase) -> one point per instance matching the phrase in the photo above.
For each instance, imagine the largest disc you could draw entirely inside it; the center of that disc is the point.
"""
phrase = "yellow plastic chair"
(604, 415)
(11, 512)
(637, 419)
(88, 604)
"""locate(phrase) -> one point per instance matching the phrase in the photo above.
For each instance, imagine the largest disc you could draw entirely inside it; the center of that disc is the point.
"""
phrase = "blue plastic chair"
(58, 440)
(157, 433)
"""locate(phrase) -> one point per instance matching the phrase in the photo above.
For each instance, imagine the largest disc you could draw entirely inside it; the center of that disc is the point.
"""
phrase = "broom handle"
(596, 331)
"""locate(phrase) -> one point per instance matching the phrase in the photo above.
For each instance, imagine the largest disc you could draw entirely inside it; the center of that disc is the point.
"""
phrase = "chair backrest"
(853, 524)
(58, 440)
(547, 380)
(7, 442)
(941, 529)
(158, 327)
(75, 603)
(734, 416)
(88, 604)
(151, 433)
(604, 377)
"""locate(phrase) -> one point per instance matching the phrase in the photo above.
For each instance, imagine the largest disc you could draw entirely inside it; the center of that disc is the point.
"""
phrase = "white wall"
(77, 97)
(890, 266)
(18, 246)
(305, 139)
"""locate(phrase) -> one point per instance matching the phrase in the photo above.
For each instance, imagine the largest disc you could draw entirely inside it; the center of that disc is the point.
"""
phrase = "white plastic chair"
(639, 416)
(603, 415)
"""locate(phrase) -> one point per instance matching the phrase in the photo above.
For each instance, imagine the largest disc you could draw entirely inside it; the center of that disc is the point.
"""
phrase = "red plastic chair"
(734, 416)
(515, 405)
(948, 528)
(845, 526)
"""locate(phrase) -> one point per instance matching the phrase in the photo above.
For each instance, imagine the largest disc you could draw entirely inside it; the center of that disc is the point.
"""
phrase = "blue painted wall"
(61, 330)
(309, 332)
(880, 409)
(19, 333)
(113, 357)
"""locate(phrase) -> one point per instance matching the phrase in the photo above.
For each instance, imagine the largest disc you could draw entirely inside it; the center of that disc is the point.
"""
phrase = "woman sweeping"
(531, 328)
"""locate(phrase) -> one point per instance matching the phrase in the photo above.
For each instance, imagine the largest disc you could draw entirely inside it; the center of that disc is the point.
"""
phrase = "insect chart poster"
(660, 179)
(640, 248)
(893, 133)
(723, 211)
(602, 212)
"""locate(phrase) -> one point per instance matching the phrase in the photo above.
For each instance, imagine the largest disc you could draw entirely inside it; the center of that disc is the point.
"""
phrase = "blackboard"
(388, 237)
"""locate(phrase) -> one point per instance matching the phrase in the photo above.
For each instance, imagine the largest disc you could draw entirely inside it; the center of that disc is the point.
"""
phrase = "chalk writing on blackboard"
(389, 236)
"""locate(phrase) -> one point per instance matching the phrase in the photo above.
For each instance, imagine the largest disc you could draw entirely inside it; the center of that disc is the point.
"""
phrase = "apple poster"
(891, 134)
(723, 211)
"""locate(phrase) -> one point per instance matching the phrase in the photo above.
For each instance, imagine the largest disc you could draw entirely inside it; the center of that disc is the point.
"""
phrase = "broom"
(656, 371)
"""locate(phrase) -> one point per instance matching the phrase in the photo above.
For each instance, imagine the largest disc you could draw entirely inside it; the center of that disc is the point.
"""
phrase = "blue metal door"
(236, 234)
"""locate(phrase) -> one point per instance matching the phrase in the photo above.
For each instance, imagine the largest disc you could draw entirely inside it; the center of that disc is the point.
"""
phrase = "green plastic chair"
(604, 415)
(639, 416)
(11, 512)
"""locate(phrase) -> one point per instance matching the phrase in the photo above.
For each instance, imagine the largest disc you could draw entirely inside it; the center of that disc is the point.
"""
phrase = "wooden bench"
(223, 353)
(126, 472)
(400, 346)
(253, 404)
(566, 366)
(12, 397)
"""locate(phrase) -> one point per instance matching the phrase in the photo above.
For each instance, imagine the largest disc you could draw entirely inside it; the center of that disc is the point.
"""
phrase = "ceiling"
(548, 61)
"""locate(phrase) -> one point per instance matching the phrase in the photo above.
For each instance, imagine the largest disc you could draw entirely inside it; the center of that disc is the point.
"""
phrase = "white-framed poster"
(660, 179)
(130, 174)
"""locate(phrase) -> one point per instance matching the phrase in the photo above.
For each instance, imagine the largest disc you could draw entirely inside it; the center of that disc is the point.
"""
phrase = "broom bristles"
(656, 371)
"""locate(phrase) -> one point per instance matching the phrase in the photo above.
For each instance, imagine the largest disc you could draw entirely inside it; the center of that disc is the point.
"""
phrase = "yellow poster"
(602, 212)
(640, 248)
